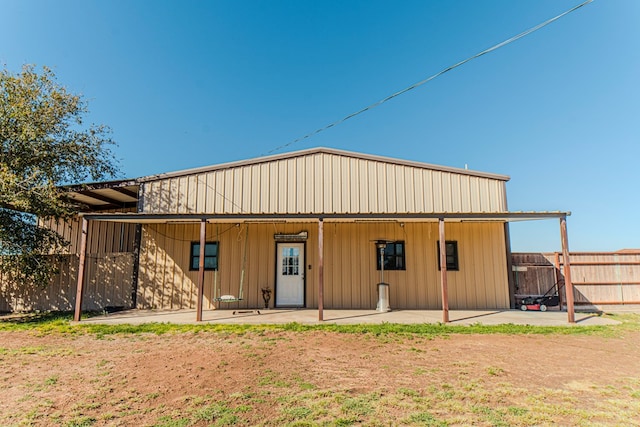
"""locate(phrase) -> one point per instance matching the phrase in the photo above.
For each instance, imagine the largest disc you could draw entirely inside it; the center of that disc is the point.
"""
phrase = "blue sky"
(191, 83)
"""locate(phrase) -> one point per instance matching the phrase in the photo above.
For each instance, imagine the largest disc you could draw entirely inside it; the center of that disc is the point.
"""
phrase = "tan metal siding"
(350, 265)
(381, 184)
(367, 186)
(437, 187)
(193, 185)
(324, 183)
(209, 194)
(283, 197)
(346, 185)
(103, 237)
(109, 278)
(166, 282)
(350, 258)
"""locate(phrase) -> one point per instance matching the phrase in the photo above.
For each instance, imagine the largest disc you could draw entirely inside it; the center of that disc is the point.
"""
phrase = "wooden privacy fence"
(599, 278)
(109, 283)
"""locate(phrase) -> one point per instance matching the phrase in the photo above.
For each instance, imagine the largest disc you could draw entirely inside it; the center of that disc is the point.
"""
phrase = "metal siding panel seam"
(400, 190)
(255, 192)
(246, 190)
(352, 199)
(292, 194)
(372, 189)
(347, 183)
(308, 188)
(281, 206)
(436, 186)
(207, 193)
(172, 197)
(464, 194)
(420, 191)
(336, 181)
(411, 190)
(363, 190)
(318, 196)
(381, 182)
(273, 188)
(327, 184)
(299, 185)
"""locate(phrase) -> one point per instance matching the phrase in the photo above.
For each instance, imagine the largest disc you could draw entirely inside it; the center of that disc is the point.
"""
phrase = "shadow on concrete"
(257, 312)
(491, 313)
(368, 315)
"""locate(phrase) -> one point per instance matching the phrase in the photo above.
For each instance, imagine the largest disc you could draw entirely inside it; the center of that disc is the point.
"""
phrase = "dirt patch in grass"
(318, 378)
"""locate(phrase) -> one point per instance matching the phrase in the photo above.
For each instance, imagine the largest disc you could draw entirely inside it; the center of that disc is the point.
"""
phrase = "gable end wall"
(324, 183)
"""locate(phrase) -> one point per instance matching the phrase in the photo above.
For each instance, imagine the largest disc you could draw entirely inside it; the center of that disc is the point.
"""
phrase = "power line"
(216, 235)
(428, 79)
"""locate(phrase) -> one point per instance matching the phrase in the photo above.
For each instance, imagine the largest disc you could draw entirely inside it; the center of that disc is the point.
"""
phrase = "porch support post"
(203, 241)
(510, 280)
(83, 250)
(136, 265)
(567, 270)
(443, 272)
(320, 270)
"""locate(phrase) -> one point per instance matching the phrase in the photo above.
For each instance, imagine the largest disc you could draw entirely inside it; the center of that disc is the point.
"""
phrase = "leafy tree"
(43, 145)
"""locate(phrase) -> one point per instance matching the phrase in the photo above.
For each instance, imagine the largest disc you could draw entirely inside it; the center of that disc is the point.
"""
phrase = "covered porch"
(440, 218)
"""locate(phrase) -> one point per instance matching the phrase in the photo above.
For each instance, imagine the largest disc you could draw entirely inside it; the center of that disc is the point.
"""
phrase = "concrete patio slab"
(309, 316)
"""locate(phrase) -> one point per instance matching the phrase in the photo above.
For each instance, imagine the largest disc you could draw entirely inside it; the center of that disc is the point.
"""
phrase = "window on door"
(290, 261)
(210, 256)
(393, 256)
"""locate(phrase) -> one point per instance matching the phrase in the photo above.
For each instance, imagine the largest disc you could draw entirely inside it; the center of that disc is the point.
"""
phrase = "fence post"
(567, 270)
(83, 249)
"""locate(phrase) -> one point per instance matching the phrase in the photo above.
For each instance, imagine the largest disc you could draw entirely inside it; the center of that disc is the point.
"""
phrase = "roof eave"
(357, 217)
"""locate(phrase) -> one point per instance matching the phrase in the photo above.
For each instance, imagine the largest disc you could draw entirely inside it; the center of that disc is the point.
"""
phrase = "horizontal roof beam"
(101, 185)
(101, 197)
(481, 216)
(120, 205)
(126, 192)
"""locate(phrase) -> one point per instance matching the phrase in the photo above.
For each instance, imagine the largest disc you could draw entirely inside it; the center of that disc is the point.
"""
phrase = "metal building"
(304, 225)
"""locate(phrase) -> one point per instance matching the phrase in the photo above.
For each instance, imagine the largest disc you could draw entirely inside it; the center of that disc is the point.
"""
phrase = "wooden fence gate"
(599, 278)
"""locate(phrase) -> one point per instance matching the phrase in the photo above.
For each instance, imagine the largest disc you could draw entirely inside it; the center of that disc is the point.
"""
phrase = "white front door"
(290, 275)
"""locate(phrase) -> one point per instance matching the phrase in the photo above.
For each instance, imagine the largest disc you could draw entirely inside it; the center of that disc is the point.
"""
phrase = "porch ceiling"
(104, 195)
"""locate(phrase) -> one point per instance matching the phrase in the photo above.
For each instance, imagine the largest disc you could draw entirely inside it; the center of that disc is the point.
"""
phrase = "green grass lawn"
(60, 322)
(460, 392)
